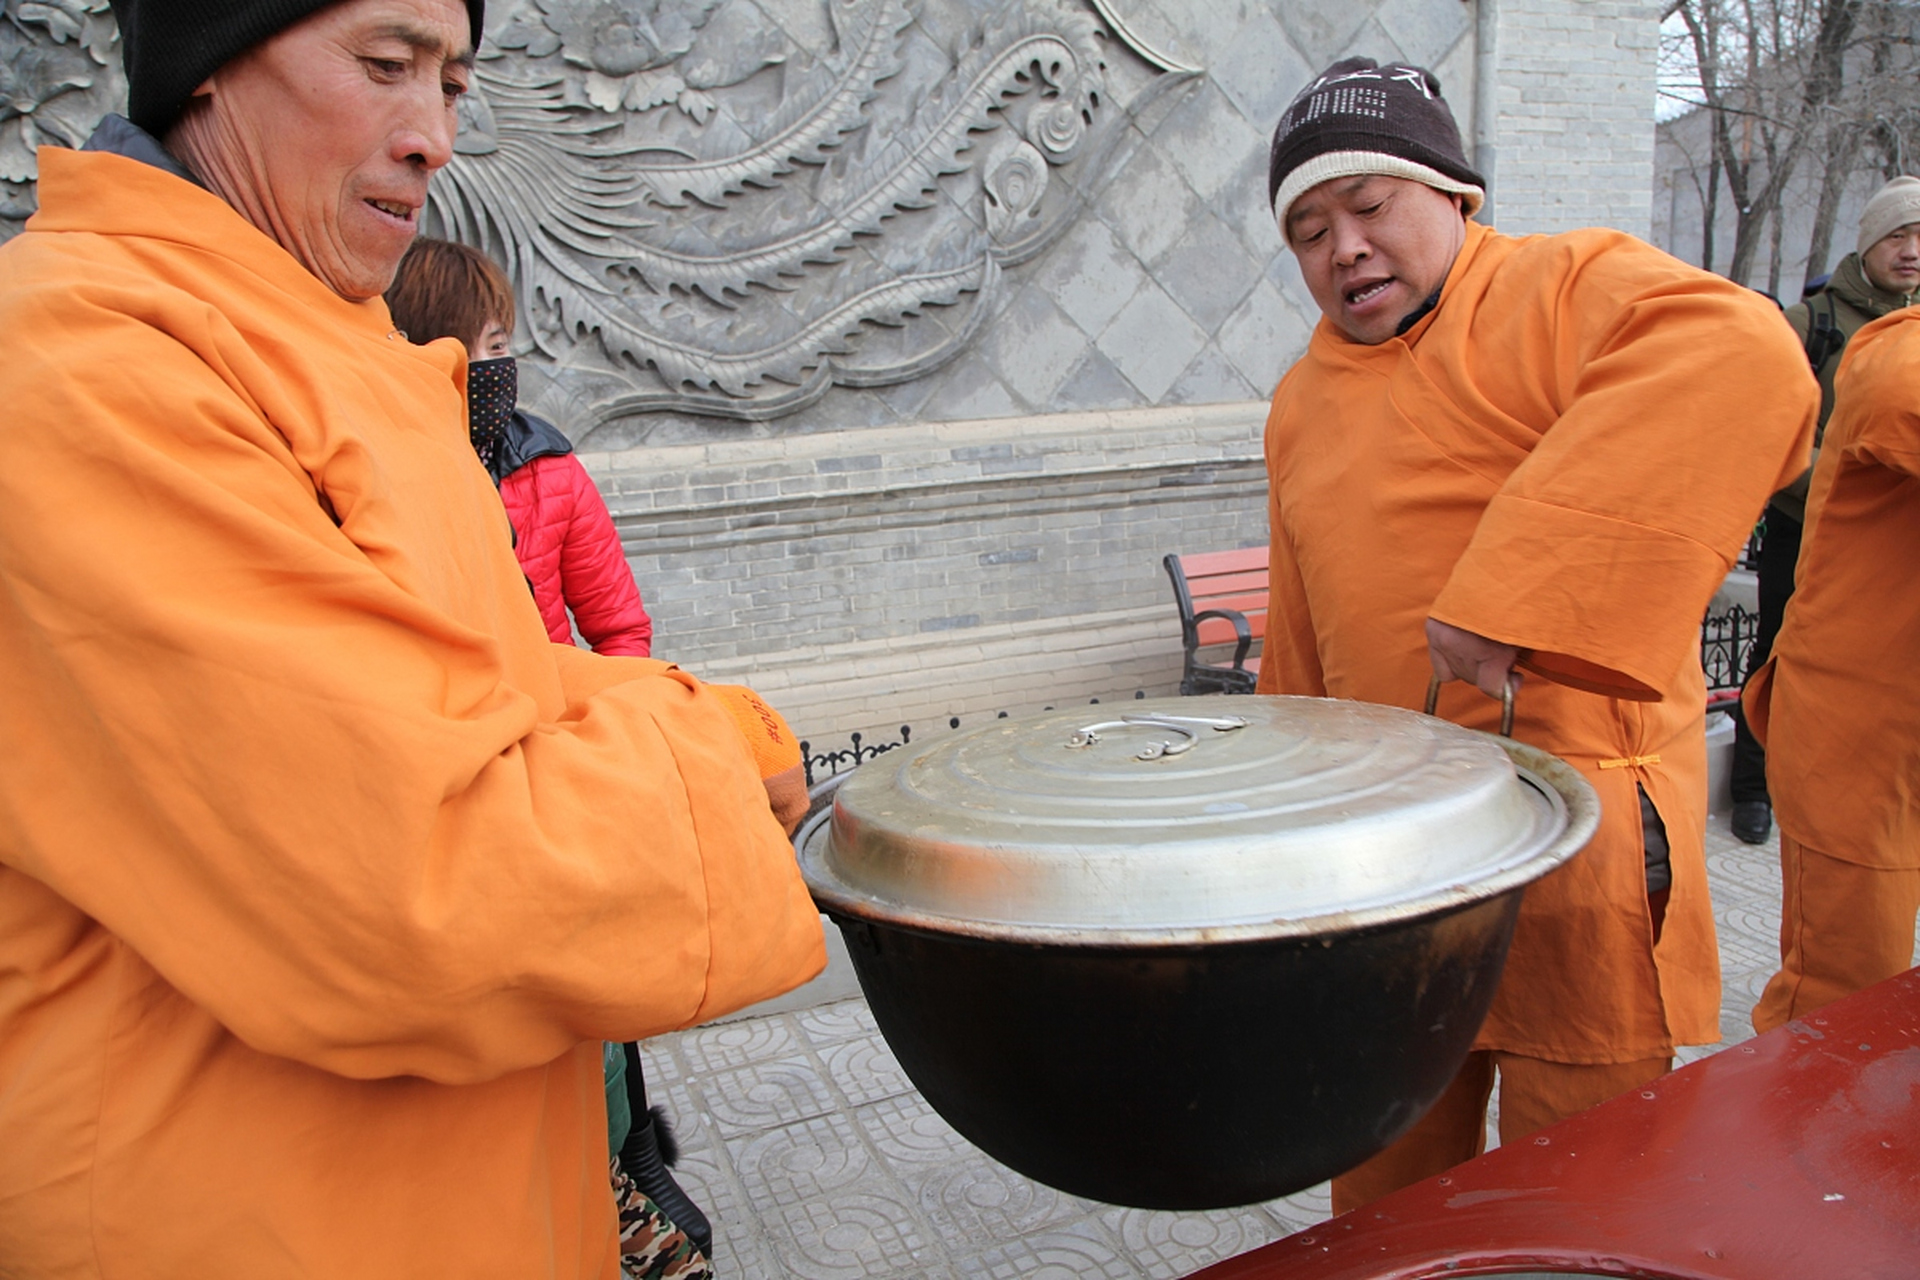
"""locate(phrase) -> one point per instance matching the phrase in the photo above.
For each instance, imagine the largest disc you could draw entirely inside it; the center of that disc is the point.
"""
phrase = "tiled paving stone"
(796, 1163)
(865, 1070)
(707, 1050)
(814, 1156)
(841, 1020)
(907, 1133)
(978, 1199)
(868, 1229)
(705, 1175)
(1080, 1250)
(661, 1064)
(1303, 1208)
(693, 1128)
(1166, 1245)
(765, 1094)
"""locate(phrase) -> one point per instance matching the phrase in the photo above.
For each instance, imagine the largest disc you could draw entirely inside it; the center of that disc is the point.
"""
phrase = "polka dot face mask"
(493, 386)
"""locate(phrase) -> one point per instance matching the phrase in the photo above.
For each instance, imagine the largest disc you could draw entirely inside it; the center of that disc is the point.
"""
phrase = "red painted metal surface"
(1792, 1156)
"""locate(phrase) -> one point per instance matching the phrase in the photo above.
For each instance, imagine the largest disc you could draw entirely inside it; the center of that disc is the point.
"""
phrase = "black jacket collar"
(527, 438)
(120, 136)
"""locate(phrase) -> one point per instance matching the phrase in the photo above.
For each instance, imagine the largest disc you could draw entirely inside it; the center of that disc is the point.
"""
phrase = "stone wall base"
(874, 687)
(863, 580)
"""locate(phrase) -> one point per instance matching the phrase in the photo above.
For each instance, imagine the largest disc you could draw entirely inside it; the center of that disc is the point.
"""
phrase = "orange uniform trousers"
(1533, 1094)
(1843, 927)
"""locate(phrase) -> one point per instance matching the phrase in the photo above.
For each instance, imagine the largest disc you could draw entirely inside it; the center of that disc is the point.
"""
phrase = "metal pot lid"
(1162, 823)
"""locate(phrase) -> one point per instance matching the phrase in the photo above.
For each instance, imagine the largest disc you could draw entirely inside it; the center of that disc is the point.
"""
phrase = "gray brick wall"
(983, 549)
(1564, 129)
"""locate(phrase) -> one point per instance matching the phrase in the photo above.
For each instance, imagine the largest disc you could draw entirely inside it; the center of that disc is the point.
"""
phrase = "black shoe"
(648, 1150)
(1752, 821)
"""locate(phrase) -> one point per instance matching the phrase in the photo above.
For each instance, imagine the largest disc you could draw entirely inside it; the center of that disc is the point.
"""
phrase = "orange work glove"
(775, 750)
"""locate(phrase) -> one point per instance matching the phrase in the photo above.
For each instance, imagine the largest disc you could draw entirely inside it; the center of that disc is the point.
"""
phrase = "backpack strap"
(1824, 338)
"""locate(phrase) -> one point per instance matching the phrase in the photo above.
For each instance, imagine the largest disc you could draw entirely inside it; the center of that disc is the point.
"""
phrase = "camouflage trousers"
(651, 1247)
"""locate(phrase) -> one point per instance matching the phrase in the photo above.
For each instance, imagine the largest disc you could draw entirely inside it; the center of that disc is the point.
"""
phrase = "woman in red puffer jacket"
(566, 541)
(563, 535)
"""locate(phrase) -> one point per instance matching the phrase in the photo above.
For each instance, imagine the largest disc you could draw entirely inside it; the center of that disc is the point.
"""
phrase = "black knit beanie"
(170, 47)
(1360, 117)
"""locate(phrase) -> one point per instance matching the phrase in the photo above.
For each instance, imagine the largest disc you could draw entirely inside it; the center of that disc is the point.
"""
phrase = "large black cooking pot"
(1188, 962)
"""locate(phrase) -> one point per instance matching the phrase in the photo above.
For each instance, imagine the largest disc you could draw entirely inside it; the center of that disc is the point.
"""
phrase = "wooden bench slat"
(1202, 563)
(1247, 602)
(1226, 584)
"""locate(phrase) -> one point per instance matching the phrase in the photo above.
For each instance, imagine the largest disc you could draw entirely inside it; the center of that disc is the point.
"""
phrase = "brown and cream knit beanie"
(1360, 117)
(170, 47)
(1893, 206)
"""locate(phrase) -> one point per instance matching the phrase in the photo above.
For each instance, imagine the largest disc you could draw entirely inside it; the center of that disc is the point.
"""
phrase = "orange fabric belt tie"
(1628, 762)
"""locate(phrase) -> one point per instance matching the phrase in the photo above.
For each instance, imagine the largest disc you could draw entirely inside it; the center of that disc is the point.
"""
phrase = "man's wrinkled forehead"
(170, 47)
(420, 36)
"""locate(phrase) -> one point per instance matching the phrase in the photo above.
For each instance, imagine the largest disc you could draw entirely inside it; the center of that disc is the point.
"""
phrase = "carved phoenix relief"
(723, 207)
(727, 206)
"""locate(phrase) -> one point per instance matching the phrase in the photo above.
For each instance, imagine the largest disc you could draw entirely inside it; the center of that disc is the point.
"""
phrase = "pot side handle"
(1506, 703)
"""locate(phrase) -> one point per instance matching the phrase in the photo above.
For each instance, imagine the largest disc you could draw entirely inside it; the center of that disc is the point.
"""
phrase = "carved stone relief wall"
(1165, 282)
(726, 207)
(824, 214)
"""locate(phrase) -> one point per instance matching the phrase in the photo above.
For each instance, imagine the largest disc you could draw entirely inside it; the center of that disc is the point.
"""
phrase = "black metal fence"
(1726, 638)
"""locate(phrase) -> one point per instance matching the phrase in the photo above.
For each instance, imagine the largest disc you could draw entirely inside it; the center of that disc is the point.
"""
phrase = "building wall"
(985, 535)
(1681, 165)
(1568, 113)
(1063, 455)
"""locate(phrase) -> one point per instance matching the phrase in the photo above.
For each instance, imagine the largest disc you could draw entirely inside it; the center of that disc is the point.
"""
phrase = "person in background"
(1490, 460)
(324, 873)
(1881, 276)
(1837, 707)
(563, 535)
(565, 541)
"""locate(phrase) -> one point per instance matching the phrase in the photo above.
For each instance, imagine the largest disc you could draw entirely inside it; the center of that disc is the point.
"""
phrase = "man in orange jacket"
(1838, 707)
(1543, 454)
(323, 872)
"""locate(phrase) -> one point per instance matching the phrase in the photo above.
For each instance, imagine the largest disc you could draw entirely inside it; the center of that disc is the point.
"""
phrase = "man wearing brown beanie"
(1491, 461)
(323, 872)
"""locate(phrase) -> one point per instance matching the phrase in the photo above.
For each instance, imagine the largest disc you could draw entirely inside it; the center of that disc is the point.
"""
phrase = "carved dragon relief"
(704, 214)
(725, 207)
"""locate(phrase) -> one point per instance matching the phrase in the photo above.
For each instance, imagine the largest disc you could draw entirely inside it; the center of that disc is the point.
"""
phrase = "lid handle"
(1089, 735)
